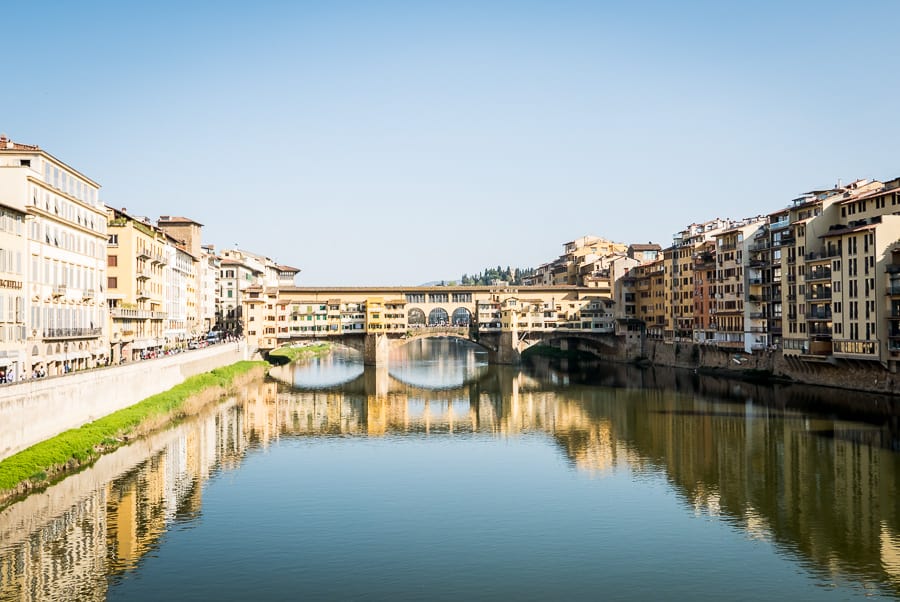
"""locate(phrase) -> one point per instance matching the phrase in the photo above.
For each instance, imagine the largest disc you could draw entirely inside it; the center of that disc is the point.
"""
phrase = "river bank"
(48, 461)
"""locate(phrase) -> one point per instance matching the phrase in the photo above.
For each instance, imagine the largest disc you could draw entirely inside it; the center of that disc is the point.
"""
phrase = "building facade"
(54, 265)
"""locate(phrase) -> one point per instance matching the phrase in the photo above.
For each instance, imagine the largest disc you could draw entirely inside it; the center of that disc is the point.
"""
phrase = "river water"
(443, 478)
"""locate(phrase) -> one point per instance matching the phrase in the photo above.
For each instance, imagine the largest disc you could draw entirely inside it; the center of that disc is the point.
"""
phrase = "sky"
(396, 143)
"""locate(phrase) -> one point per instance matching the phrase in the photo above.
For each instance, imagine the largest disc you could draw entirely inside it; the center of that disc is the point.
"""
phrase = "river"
(444, 478)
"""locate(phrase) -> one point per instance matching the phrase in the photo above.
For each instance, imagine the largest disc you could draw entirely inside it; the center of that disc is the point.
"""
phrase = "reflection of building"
(819, 489)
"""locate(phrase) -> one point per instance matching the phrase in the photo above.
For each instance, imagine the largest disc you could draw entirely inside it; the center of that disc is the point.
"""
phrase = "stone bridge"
(504, 320)
(503, 347)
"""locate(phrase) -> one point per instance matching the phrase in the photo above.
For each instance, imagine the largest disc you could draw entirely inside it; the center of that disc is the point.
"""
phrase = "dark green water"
(447, 479)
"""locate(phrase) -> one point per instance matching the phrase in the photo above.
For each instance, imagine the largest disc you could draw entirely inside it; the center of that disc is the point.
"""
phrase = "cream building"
(209, 269)
(54, 283)
(738, 322)
(181, 275)
(193, 281)
(807, 323)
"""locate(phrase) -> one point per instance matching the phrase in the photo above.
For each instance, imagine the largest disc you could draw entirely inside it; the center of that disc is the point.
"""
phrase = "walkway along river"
(446, 478)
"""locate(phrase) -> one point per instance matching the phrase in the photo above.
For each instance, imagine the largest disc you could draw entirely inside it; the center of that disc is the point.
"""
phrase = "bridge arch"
(461, 317)
(438, 317)
(416, 317)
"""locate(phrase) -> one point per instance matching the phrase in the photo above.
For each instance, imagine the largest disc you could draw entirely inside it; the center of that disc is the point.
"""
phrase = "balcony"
(819, 330)
(143, 275)
(892, 269)
(821, 314)
(822, 255)
(158, 258)
(757, 315)
(87, 293)
(142, 294)
(758, 263)
(59, 290)
(754, 281)
(144, 253)
(893, 289)
(136, 314)
(788, 239)
(818, 295)
(812, 275)
(779, 224)
(71, 333)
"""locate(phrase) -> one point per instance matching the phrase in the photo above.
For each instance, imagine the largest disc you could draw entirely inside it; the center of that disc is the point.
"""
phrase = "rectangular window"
(112, 282)
(112, 260)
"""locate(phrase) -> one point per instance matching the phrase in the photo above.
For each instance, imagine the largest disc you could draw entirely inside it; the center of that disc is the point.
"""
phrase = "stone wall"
(35, 410)
(856, 375)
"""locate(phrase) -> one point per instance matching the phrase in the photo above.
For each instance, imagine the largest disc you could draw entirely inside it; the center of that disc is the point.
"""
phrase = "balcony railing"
(820, 331)
(818, 295)
(137, 314)
(893, 289)
(71, 333)
(818, 275)
(820, 255)
(87, 293)
(59, 290)
(819, 315)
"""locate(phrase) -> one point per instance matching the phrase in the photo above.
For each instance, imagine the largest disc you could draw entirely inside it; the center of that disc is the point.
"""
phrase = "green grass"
(285, 355)
(87, 442)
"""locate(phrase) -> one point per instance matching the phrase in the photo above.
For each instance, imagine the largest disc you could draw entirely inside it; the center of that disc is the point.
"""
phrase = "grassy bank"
(286, 355)
(40, 464)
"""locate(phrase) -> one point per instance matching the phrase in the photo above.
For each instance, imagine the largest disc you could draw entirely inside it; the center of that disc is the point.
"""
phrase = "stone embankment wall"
(860, 376)
(35, 410)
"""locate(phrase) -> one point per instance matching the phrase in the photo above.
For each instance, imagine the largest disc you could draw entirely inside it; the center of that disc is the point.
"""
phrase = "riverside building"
(137, 260)
(52, 265)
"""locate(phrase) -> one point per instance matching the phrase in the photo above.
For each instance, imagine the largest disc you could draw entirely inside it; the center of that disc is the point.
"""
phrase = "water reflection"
(820, 488)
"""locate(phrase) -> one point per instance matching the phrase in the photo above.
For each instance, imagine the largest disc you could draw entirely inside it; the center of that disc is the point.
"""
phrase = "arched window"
(416, 317)
(438, 317)
(461, 317)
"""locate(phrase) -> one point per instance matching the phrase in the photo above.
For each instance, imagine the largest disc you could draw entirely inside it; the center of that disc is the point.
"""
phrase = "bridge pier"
(376, 350)
(508, 349)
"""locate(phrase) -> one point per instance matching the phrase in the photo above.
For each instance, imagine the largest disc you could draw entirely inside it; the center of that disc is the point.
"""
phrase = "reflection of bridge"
(505, 321)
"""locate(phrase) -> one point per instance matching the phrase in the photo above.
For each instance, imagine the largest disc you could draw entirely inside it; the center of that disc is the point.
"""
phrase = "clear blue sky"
(400, 142)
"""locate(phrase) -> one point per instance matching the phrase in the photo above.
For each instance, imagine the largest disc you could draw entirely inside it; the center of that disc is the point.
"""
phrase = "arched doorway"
(438, 317)
(461, 317)
(415, 317)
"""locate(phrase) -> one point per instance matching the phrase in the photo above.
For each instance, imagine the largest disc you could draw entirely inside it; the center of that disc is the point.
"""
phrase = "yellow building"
(136, 260)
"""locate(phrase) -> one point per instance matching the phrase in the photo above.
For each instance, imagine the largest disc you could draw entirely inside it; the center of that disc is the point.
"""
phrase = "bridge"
(503, 320)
